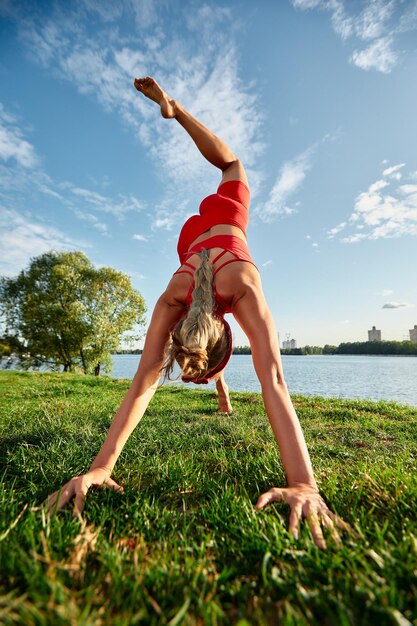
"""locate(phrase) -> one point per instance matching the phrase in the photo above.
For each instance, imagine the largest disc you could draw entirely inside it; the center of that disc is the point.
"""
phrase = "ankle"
(178, 109)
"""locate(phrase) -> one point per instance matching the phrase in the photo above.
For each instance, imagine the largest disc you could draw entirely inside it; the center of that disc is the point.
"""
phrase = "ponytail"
(199, 342)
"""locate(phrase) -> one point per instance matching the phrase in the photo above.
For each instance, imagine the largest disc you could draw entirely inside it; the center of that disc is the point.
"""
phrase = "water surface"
(339, 376)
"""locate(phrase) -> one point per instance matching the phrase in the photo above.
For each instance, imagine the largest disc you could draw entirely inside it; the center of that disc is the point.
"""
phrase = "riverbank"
(183, 543)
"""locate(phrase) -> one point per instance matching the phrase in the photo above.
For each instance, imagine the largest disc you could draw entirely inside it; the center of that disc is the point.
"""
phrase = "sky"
(316, 97)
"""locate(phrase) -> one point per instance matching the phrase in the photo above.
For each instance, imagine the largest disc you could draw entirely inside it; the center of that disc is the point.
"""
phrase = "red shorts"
(228, 206)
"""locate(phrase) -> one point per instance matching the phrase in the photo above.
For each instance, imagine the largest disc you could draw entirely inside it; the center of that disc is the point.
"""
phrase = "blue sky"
(317, 97)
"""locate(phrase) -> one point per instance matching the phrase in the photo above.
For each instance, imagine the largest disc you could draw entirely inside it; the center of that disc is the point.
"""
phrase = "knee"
(274, 378)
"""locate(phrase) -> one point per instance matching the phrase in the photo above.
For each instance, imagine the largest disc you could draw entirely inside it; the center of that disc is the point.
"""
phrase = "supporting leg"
(223, 394)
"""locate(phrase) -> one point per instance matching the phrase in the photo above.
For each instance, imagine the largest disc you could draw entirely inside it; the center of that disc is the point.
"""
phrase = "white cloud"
(397, 305)
(336, 230)
(232, 115)
(18, 182)
(315, 245)
(389, 171)
(42, 44)
(289, 180)
(307, 4)
(378, 185)
(379, 22)
(139, 237)
(371, 23)
(267, 263)
(22, 238)
(16, 179)
(13, 145)
(117, 206)
(341, 22)
(353, 238)
(145, 12)
(129, 60)
(381, 213)
(101, 227)
(108, 11)
(408, 189)
(377, 56)
(165, 223)
(104, 68)
(408, 20)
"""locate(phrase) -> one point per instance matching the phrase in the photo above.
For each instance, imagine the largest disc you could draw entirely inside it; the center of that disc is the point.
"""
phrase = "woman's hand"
(306, 502)
(78, 487)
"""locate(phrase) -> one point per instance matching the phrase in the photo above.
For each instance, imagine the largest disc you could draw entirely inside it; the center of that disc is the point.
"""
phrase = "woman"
(217, 276)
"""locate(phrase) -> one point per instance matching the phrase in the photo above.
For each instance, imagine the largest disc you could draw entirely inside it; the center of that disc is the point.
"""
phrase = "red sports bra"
(228, 243)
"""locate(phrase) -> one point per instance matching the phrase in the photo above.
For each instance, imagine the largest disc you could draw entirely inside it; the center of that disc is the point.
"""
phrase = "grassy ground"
(183, 544)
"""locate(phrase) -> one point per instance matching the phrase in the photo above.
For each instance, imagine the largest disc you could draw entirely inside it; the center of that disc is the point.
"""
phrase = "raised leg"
(223, 394)
(210, 146)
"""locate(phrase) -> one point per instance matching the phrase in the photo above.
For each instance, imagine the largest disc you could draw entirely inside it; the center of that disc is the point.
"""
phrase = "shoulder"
(175, 295)
(237, 282)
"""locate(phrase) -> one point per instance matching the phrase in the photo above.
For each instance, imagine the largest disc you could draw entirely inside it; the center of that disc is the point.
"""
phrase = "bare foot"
(150, 88)
(223, 397)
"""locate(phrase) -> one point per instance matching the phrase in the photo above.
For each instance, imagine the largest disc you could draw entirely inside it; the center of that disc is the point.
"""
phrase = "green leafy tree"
(379, 347)
(64, 311)
(329, 349)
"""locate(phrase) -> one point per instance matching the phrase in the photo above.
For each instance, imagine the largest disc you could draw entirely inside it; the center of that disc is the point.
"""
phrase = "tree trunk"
(97, 370)
(83, 361)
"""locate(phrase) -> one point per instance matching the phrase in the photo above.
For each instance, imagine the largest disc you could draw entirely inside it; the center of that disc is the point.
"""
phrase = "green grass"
(183, 544)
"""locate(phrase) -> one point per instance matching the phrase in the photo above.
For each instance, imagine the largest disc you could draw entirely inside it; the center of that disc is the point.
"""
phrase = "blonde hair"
(199, 342)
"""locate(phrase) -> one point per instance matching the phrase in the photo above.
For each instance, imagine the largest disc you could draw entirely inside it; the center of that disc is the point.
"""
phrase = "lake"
(338, 376)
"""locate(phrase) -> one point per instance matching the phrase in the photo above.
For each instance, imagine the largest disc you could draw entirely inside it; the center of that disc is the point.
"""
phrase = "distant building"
(374, 334)
(289, 344)
(413, 333)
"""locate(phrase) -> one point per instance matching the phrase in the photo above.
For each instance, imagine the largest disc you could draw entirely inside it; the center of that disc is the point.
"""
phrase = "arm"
(166, 313)
(253, 315)
(144, 384)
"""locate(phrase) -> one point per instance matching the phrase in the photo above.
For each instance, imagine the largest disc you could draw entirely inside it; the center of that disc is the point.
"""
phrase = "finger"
(58, 499)
(65, 497)
(295, 516)
(272, 495)
(328, 523)
(51, 500)
(79, 503)
(80, 497)
(111, 484)
(342, 524)
(316, 530)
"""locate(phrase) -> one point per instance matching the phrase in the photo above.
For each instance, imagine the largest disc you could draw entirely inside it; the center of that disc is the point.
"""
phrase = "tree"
(329, 349)
(64, 311)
